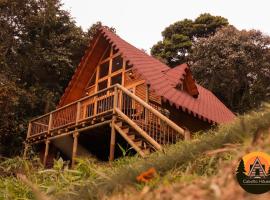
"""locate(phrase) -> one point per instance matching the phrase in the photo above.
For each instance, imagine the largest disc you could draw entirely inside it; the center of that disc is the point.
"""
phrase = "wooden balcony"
(141, 125)
(85, 112)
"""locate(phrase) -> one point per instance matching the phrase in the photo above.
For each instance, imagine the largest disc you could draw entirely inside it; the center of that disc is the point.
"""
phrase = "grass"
(182, 162)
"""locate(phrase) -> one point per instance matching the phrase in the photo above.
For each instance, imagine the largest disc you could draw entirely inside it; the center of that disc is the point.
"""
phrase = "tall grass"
(180, 154)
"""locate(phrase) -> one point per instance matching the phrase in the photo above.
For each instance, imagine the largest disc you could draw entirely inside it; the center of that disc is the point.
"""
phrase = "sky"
(140, 22)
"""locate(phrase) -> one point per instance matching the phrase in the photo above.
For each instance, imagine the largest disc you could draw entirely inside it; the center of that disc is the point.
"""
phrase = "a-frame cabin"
(120, 93)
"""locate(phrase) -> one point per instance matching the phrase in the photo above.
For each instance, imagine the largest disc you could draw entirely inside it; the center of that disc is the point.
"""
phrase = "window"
(117, 63)
(116, 79)
(102, 85)
(115, 51)
(128, 66)
(104, 69)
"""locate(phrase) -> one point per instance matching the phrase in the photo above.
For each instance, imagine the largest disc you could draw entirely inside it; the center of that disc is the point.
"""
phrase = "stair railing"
(148, 122)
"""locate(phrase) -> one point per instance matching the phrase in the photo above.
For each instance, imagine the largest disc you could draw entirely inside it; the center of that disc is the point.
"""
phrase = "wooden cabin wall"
(139, 87)
(186, 120)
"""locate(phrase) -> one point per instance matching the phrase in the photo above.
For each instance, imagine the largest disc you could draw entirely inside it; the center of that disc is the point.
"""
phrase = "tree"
(179, 37)
(40, 46)
(241, 167)
(235, 66)
(240, 173)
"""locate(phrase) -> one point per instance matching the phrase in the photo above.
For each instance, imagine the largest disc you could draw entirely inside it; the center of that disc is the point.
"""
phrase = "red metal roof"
(162, 79)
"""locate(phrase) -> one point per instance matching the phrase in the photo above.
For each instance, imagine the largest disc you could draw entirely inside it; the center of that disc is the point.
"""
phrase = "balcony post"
(113, 134)
(29, 131)
(78, 112)
(147, 101)
(47, 144)
(50, 123)
(75, 147)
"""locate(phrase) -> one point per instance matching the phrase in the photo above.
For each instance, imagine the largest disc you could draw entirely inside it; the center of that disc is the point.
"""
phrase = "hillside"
(200, 169)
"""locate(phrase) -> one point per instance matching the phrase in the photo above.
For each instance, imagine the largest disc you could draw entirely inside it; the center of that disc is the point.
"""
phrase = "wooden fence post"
(113, 134)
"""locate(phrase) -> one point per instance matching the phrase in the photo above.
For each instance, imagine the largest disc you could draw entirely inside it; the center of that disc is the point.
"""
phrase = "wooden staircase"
(133, 138)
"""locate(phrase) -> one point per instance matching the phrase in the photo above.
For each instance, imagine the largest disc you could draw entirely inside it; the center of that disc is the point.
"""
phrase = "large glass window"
(116, 79)
(128, 65)
(117, 63)
(102, 85)
(115, 51)
(104, 69)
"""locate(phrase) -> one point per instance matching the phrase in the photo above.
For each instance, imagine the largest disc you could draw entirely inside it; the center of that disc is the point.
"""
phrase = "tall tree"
(179, 37)
(235, 66)
(40, 46)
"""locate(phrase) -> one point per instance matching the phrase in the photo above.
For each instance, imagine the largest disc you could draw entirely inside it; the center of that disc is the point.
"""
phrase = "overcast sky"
(141, 22)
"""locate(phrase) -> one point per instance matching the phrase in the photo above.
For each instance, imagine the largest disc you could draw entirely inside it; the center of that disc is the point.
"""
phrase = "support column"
(74, 149)
(113, 133)
(112, 145)
(47, 144)
(187, 134)
(26, 147)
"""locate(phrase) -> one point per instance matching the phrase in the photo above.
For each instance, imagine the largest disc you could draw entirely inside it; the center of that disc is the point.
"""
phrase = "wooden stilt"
(112, 145)
(113, 134)
(187, 134)
(74, 149)
(26, 147)
(47, 144)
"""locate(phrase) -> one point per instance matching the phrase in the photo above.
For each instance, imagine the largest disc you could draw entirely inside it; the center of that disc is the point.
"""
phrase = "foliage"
(15, 104)
(179, 37)
(40, 46)
(235, 66)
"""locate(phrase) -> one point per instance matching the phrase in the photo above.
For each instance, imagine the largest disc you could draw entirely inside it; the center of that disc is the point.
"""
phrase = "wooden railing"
(74, 113)
(150, 123)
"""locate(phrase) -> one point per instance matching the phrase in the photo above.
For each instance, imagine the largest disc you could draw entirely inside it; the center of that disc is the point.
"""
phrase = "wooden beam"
(147, 101)
(26, 147)
(78, 112)
(38, 123)
(187, 135)
(113, 134)
(50, 123)
(74, 149)
(47, 144)
(79, 130)
(112, 144)
(29, 129)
